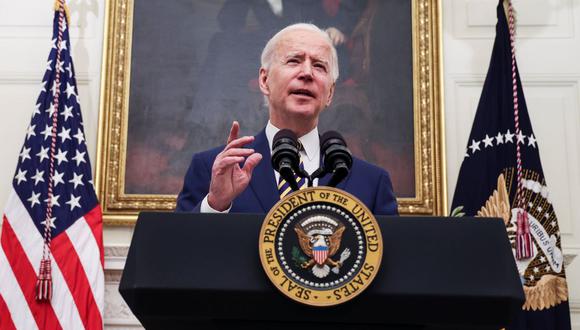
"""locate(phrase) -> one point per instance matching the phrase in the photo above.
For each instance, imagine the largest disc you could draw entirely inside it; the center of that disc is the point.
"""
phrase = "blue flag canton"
(73, 192)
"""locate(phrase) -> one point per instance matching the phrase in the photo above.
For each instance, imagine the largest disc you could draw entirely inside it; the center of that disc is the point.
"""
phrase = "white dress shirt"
(310, 156)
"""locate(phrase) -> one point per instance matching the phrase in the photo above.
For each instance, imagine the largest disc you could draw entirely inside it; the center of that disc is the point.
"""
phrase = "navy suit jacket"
(369, 183)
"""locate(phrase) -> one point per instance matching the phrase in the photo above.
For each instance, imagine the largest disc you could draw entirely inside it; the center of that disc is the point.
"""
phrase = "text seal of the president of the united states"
(320, 246)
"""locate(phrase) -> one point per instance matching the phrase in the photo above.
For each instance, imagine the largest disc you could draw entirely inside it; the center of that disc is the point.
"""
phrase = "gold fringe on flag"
(66, 11)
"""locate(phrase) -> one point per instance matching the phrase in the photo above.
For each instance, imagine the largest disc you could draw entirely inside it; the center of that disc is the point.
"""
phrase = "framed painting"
(177, 73)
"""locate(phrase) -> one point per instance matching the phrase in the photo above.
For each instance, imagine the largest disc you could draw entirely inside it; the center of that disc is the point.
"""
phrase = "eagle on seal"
(320, 247)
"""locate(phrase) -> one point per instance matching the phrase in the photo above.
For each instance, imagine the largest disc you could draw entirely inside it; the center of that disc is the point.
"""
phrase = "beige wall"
(547, 48)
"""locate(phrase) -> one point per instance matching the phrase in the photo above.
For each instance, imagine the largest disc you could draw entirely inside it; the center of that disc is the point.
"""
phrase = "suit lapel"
(263, 181)
(324, 180)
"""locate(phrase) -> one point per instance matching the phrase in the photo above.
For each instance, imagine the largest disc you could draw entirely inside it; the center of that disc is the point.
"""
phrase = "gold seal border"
(307, 295)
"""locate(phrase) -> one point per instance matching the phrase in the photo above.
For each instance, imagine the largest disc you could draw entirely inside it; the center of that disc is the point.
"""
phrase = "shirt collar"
(310, 141)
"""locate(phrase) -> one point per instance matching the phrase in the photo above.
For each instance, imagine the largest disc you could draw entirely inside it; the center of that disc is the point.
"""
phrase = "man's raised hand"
(228, 177)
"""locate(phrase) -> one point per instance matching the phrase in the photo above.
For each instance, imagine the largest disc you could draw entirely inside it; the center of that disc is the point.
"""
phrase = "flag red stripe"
(88, 251)
(95, 220)
(26, 276)
(31, 241)
(6, 322)
(74, 274)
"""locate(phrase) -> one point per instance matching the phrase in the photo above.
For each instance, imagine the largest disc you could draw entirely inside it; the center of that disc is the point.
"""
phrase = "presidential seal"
(320, 246)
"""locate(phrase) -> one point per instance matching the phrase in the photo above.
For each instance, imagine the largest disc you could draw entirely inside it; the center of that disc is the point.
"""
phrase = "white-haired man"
(299, 68)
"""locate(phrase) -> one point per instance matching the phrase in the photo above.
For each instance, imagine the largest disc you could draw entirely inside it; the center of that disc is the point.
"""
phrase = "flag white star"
(474, 146)
(547, 215)
(498, 138)
(50, 222)
(536, 270)
(47, 132)
(25, 154)
(77, 180)
(57, 178)
(69, 69)
(62, 44)
(488, 141)
(42, 88)
(53, 88)
(53, 200)
(64, 25)
(36, 110)
(539, 208)
(521, 137)
(532, 141)
(79, 157)
(38, 177)
(553, 223)
(67, 112)
(34, 199)
(30, 132)
(70, 90)
(20, 176)
(64, 134)
(547, 268)
(531, 277)
(542, 259)
(48, 64)
(509, 137)
(50, 110)
(79, 136)
(43, 153)
(61, 156)
(74, 202)
(59, 66)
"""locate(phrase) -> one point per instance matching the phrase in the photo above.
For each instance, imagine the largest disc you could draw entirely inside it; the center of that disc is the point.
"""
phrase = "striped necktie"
(284, 187)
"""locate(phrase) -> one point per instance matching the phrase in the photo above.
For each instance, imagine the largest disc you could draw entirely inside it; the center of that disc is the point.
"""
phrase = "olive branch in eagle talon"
(298, 257)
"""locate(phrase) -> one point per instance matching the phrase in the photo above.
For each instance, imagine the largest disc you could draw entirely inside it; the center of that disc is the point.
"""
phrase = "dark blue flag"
(491, 184)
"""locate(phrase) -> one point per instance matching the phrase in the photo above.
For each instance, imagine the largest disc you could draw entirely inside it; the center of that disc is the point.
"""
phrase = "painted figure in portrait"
(194, 69)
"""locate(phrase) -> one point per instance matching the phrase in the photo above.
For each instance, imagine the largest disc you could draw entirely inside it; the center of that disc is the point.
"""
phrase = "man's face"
(298, 84)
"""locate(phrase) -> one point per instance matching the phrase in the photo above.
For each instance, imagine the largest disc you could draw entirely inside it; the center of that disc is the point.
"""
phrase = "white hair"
(269, 49)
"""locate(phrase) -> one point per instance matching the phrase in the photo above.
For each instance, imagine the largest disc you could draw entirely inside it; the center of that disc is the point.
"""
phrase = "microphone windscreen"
(285, 134)
(285, 150)
(331, 137)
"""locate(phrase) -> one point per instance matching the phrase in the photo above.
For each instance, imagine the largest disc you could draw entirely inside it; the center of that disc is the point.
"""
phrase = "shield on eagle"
(320, 254)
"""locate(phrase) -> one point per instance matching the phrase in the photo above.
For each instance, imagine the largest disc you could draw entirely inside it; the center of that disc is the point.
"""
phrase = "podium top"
(434, 271)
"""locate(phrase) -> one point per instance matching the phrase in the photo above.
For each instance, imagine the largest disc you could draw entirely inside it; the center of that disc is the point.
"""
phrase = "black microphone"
(337, 159)
(285, 156)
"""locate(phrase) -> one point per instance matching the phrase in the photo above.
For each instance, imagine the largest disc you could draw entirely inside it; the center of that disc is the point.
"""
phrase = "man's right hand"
(228, 178)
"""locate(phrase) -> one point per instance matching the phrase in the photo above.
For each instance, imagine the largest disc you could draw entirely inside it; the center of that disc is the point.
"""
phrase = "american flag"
(53, 170)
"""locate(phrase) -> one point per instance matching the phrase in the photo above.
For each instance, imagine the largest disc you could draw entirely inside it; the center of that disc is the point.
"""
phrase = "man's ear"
(330, 95)
(263, 79)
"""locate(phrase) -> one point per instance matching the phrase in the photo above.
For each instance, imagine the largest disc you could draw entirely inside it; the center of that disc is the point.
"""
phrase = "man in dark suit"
(299, 69)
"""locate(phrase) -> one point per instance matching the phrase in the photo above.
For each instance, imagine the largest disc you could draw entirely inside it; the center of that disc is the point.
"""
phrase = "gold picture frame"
(121, 208)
